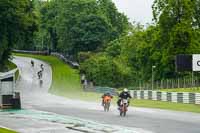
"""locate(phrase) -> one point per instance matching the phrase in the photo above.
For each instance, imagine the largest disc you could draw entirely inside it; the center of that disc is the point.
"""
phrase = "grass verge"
(66, 82)
(12, 66)
(3, 130)
(166, 105)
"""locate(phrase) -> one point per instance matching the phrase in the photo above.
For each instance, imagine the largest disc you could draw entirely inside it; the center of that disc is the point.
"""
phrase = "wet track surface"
(36, 97)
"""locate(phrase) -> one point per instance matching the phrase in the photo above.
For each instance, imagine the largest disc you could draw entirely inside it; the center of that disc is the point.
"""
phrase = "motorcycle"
(106, 105)
(41, 82)
(123, 107)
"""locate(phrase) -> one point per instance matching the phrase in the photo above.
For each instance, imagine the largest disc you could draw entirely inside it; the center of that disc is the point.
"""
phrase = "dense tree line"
(175, 31)
(17, 25)
(111, 51)
(73, 26)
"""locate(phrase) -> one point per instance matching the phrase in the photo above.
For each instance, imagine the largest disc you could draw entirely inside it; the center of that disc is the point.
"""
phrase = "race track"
(142, 120)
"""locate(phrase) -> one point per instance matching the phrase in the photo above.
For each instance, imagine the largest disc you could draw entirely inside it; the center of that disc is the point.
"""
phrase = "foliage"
(77, 26)
(102, 39)
(175, 31)
(104, 71)
(176, 22)
(83, 56)
(17, 26)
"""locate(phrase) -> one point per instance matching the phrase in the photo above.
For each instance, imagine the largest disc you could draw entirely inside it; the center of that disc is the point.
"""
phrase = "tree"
(89, 33)
(175, 20)
(104, 71)
(16, 25)
(75, 26)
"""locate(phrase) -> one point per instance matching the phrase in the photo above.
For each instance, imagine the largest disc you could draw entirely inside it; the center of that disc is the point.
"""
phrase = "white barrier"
(185, 97)
(138, 95)
(132, 93)
(146, 95)
(197, 98)
(174, 97)
(154, 95)
(164, 96)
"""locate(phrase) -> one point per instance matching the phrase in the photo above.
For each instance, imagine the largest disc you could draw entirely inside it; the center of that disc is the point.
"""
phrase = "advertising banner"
(196, 62)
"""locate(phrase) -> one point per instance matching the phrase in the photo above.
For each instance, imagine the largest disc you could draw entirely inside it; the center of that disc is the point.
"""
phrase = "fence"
(176, 97)
(184, 82)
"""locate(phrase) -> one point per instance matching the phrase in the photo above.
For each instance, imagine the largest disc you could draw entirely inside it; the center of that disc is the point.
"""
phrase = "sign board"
(183, 63)
(196, 62)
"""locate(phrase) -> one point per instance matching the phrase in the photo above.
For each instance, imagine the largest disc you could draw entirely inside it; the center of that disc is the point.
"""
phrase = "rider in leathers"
(123, 95)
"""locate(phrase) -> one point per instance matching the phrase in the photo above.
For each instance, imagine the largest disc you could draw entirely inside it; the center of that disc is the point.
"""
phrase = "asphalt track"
(142, 120)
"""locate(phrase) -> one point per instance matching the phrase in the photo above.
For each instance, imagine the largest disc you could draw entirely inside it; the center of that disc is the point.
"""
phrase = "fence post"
(178, 83)
(167, 83)
(184, 83)
(140, 85)
(192, 79)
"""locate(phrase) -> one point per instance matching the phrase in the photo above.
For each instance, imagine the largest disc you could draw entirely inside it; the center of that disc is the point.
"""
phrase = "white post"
(192, 79)
(152, 80)
(178, 83)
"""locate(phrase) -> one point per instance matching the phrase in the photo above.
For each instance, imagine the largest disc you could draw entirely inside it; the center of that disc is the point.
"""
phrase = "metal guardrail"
(63, 58)
(105, 90)
(73, 64)
(176, 97)
(32, 52)
(99, 89)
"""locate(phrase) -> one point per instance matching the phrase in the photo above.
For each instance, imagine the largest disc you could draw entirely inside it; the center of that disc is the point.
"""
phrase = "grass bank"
(10, 66)
(66, 82)
(166, 105)
(3, 130)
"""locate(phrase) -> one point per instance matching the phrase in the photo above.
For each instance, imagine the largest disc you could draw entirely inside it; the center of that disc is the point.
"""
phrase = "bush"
(104, 71)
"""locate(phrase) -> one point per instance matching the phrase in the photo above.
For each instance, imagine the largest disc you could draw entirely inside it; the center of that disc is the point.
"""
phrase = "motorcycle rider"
(123, 95)
(42, 67)
(39, 74)
(32, 63)
(106, 97)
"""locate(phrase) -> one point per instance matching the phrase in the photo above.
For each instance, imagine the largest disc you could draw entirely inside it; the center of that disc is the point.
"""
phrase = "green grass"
(66, 82)
(193, 90)
(3, 130)
(12, 66)
(166, 105)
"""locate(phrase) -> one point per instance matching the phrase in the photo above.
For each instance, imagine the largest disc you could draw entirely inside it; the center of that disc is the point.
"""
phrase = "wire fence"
(169, 84)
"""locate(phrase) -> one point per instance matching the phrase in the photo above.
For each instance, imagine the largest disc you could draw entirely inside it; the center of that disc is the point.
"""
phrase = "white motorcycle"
(123, 107)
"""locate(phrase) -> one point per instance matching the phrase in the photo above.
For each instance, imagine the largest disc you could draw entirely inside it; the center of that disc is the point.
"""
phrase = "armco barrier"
(63, 58)
(176, 97)
(102, 90)
(60, 56)
(32, 52)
